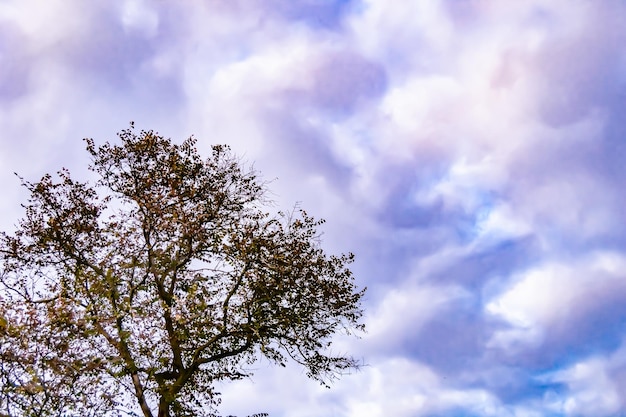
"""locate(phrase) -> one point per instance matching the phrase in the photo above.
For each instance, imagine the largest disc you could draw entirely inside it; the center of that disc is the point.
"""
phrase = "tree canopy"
(136, 294)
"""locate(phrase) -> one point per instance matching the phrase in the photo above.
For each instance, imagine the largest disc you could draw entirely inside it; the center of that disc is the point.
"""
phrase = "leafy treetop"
(138, 293)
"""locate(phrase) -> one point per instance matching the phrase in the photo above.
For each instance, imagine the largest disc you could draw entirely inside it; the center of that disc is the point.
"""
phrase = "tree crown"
(167, 275)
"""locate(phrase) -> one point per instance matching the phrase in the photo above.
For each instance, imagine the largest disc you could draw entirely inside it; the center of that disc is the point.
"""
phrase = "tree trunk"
(164, 407)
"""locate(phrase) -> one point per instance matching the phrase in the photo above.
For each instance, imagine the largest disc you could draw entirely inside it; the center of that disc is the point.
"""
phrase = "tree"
(138, 293)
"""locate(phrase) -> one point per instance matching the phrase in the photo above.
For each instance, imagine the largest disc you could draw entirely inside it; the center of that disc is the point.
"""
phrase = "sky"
(469, 152)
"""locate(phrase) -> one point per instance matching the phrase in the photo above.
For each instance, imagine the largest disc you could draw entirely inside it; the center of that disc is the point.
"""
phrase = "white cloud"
(405, 388)
(411, 33)
(138, 15)
(404, 310)
(36, 18)
(554, 293)
(592, 387)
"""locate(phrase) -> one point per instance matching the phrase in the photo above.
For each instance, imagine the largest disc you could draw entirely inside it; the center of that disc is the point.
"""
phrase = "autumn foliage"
(136, 294)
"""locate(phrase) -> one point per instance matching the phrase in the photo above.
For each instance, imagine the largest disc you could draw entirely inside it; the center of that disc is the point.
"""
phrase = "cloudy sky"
(469, 152)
